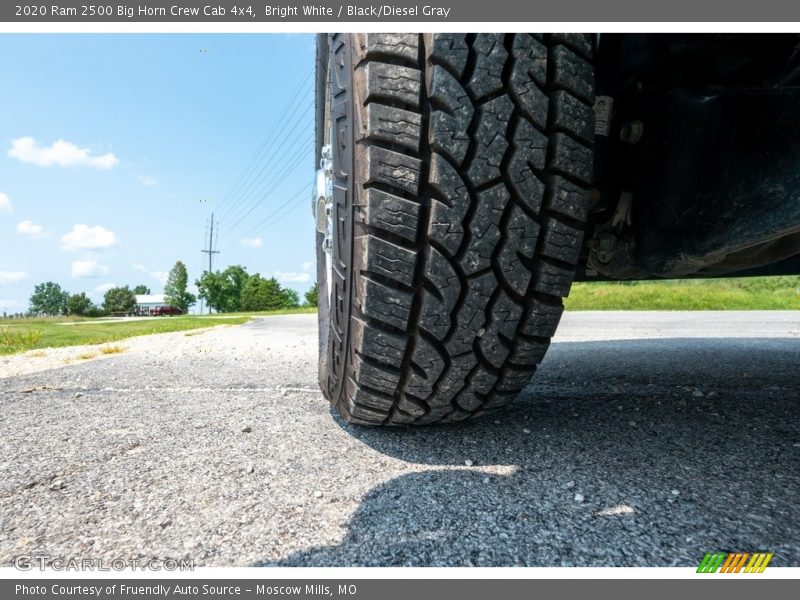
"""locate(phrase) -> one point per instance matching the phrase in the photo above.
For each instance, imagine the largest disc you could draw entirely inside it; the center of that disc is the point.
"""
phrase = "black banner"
(399, 11)
(400, 589)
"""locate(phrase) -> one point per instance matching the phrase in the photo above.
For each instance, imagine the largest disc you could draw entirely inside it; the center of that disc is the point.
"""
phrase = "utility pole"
(210, 251)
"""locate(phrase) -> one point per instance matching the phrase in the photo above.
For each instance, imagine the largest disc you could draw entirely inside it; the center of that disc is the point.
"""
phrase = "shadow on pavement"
(631, 452)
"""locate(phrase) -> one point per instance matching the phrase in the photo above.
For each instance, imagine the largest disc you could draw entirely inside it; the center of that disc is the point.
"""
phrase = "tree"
(141, 290)
(49, 299)
(119, 299)
(235, 277)
(79, 304)
(312, 296)
(211, 288)
(175, 293)
(222, 290)
(262, 294)
(289, 298)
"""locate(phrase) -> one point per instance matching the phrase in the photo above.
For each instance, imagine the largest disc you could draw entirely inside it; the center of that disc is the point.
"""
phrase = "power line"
(202, 260)
(279, 122)
(268, 169)
(270, 164)
(296, 154)
(263, 156)
(288, 167)
(300, 202)
(210, 250)
(267, 222)
(299, 197)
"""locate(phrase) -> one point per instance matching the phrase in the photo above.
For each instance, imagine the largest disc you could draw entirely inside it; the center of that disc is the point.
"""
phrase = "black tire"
(462, 165)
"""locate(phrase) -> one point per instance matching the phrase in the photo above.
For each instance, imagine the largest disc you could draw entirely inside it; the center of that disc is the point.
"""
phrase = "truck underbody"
(697, 149)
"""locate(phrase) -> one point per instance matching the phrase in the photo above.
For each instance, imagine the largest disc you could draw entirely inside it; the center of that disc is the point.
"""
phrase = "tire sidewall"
(335, 294)
(323, 304)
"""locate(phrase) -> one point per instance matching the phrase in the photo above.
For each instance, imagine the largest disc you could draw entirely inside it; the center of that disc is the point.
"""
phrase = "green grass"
(750, 293)
(753, 293)
(18, 339)
(302, 310)
(30, 334)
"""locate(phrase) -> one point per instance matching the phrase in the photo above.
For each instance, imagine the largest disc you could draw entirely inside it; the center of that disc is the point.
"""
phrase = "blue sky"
(114, 150)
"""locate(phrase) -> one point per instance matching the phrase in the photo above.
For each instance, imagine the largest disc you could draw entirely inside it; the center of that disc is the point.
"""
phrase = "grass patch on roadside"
(31, 334)
(746, 293)
(18, 340)
(112, 349)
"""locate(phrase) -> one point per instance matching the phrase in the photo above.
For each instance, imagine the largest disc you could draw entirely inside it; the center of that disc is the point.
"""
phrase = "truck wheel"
(449, 216)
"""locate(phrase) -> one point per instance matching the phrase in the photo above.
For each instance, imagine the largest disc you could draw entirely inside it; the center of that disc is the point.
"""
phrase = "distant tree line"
(234, 290)
(49, 299)
(231, 290)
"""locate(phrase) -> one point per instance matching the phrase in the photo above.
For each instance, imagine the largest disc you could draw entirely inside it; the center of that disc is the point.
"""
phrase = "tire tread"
(475, 163)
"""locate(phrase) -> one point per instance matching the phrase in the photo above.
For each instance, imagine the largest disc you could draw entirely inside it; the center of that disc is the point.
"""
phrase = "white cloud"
(160, 276)
(252, 242)
(60, 153)
(83, 237)
(292, 277)
(7, 305)
(302, 276)
(86, 269)
(147, 180)
(7, 277)
(5, 203)
(104, 287)
(31, 229)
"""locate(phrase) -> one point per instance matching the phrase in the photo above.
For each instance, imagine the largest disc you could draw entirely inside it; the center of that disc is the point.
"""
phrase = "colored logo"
(734, 562)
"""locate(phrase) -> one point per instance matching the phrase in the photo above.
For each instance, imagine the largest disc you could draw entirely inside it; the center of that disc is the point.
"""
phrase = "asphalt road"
(645, 439)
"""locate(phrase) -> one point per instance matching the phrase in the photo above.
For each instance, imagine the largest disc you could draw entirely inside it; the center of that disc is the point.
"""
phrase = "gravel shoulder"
(645, 441)
(45, 359)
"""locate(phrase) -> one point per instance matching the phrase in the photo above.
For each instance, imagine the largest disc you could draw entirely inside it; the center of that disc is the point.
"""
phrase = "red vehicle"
(162, 311)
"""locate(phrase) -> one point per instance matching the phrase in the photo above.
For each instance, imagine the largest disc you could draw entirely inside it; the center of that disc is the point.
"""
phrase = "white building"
(144, 303)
